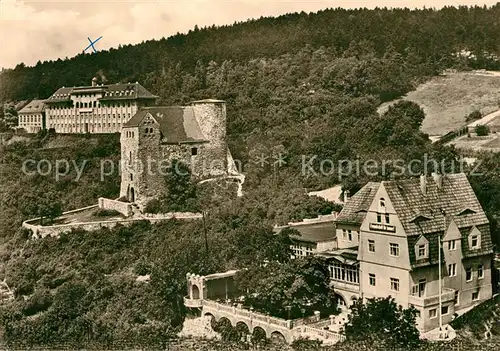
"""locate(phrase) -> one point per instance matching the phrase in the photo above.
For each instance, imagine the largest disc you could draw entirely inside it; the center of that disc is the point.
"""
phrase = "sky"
(47, 30)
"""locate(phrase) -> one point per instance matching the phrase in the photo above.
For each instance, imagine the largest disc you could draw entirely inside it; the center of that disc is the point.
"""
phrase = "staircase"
(6, 294)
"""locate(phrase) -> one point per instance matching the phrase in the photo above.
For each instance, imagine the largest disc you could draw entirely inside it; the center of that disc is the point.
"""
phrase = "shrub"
(39, 301)
(476, 114)
(153, 206)
(482, 130)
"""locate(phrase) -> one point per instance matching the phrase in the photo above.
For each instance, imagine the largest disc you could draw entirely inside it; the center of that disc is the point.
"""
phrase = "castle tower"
(211, 117)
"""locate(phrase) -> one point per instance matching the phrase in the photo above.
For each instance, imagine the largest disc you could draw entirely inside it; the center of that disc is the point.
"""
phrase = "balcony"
(424, 301)
(193, 303)
(344, 285)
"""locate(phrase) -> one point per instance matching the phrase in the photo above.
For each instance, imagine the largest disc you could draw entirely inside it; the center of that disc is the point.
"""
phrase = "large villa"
(386, 242)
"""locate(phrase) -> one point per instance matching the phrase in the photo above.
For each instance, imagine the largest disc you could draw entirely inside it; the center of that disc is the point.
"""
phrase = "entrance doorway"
(131, 195)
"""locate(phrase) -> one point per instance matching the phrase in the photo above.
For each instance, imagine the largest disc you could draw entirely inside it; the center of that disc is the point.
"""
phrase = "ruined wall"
(123, 207)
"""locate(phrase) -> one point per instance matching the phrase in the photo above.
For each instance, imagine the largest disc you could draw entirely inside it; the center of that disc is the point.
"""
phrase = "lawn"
(84, 216)
(449, 98)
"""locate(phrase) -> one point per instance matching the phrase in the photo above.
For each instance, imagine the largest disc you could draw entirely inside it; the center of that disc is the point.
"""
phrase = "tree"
(476, 114)
(181, 190)
(381, 319)
(482, 130)
(288, 290)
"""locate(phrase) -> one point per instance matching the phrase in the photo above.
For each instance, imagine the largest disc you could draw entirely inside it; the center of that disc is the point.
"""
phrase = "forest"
(299, 85)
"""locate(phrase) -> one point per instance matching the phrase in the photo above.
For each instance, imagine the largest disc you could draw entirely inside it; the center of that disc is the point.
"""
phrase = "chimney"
(346, 195)
(438, 178)
(94, 82)
(423, 184)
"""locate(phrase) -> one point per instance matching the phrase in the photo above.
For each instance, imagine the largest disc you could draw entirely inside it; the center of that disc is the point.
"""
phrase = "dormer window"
(422, 251)
(475, 239)
(421, 248)
(474, 242)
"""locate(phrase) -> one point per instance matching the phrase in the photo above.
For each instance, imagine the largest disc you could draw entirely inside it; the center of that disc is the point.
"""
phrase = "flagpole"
(440, 285)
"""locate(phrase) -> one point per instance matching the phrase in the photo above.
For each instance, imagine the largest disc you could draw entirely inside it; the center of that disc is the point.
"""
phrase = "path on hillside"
(485, 120)
(240, 177)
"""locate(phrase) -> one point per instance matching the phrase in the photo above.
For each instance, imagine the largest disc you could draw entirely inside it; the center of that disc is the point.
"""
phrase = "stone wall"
(211, 117)
(129, 172)
(124, 208)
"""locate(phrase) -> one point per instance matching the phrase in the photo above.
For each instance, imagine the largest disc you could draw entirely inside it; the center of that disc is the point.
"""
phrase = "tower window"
(194, 151)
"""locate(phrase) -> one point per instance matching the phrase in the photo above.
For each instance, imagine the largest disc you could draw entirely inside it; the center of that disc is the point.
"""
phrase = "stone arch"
(243, 330)
(213, 323)
(342, 302)
(195, 292)
(258, 334)
(277, 337)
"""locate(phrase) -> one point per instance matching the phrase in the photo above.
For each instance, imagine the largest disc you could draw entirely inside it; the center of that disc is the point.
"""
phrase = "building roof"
(453, 197)
(177, 123)
(355, 208)
(429, 214)
(119, 91)
(347, 256)
(35, 106)
(312, 232)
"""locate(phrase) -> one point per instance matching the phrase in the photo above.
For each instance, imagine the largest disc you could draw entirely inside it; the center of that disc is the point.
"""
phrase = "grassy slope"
(448, 99)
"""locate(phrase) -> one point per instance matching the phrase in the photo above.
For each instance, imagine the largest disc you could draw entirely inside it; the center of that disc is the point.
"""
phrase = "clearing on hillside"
(449, 98)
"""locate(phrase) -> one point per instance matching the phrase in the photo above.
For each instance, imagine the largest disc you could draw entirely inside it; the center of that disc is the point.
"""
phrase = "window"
(474, 242)
(452, 245)
(344, 234)
(194, 151)
(456, 297)
(475, 296)
(382, 202)
(394, 249)
(379, 218)
(371, 277)
(131, 176)
(343, 272)
(371, 245)
(421, 250)
(387, 219)
(468, 274)
(480, 272)
(444, 310)
(349, 235)
(417, 314)
(395, 284)
(433, 313)
(452, 269)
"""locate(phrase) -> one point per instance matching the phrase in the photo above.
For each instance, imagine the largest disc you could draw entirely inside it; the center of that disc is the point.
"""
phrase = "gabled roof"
(35, 106)
(177, 123)
(454, 194)
(119, 91)
(355, 208)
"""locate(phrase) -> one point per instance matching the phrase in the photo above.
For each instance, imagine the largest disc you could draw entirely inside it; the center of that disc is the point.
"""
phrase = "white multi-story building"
(32, 116)
(95, 108)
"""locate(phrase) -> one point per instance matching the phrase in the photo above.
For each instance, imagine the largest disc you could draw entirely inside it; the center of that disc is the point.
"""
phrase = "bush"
(102, 212)
(482, 130)
(476, 114)
(40, 301)
(153, 206)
